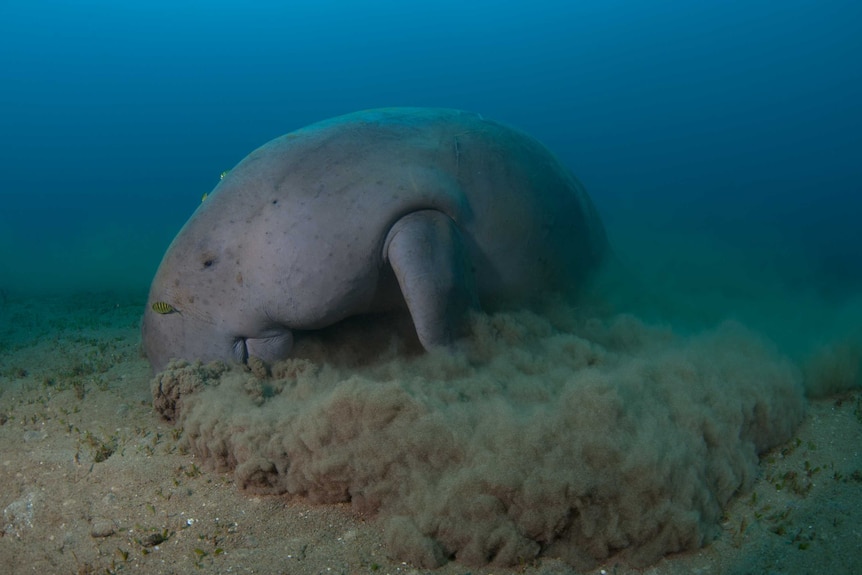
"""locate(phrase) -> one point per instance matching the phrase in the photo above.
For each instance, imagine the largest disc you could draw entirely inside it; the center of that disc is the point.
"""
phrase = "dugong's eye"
(207, 260)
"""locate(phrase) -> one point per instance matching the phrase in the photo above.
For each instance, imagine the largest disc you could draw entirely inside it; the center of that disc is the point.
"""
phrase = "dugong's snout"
(271, 346)
(168, 336)
(173, 336)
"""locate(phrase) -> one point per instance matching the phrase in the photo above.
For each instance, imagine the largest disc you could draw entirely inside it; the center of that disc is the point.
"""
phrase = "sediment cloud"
(574, 438)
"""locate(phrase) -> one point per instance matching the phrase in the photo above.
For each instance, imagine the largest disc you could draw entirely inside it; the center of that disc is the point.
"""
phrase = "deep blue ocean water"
(724, 126)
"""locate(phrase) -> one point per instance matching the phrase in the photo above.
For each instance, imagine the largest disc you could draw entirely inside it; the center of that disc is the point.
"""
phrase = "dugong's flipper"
(428, 255)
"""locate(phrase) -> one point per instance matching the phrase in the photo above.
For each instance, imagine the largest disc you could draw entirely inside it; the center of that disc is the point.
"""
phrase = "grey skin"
(439, 211)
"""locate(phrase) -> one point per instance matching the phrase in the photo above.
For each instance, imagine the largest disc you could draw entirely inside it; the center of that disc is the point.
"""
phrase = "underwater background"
(730, 127)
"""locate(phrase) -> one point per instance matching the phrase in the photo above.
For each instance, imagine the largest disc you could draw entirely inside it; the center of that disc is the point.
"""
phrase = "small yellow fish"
(204, 198)
(223, 174)
(164, 308)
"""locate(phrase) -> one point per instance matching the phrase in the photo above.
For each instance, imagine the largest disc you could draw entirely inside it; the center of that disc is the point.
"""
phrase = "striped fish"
(163, 308)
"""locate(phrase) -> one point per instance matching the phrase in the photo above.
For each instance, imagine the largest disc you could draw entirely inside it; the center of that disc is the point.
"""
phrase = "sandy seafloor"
(93, 481)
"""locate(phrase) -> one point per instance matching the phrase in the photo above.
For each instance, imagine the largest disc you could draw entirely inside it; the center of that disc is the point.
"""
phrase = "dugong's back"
(529, 224)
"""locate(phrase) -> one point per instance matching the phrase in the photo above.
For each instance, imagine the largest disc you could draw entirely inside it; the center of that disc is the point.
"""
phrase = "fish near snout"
(168, 332)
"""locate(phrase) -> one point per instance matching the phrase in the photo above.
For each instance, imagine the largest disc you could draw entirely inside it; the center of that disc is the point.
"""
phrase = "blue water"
(735, 122)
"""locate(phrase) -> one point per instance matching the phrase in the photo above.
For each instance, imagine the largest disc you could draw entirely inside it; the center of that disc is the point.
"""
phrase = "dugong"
(435, 211)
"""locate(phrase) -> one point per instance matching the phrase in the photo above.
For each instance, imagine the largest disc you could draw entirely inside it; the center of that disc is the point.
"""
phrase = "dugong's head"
(203, 304)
